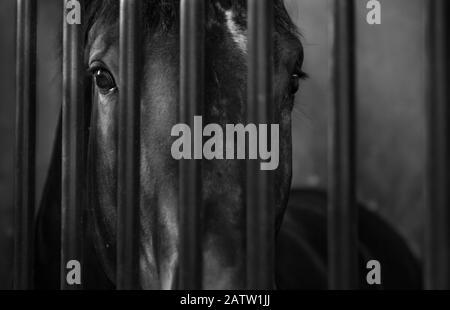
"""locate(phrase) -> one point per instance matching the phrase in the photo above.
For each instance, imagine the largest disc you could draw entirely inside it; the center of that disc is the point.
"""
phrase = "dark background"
(391, 60)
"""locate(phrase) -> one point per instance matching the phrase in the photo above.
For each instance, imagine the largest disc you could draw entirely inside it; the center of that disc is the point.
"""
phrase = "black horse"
(301, 239)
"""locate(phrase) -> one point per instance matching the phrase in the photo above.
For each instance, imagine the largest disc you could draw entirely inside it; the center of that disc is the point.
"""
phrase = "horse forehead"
(230, 18)
(101, 38)
(236, 30)
(232, 14)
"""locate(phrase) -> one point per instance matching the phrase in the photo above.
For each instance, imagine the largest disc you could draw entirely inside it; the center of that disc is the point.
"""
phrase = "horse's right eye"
(104, 81)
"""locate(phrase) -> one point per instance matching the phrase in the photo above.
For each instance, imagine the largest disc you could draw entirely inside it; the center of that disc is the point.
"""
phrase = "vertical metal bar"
(260, 197)
(128, 193)
(437, 254)
(192, 46)
(73, 149)
(342, 209)
(24, 187)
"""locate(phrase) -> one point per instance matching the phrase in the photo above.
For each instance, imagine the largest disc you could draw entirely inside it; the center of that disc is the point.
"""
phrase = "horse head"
(225, 100)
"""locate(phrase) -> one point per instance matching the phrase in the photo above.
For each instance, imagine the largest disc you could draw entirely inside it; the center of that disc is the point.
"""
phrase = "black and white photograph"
(248, 146)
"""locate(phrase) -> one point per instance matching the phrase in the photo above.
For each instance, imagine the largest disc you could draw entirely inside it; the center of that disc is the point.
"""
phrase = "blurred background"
(391, 62)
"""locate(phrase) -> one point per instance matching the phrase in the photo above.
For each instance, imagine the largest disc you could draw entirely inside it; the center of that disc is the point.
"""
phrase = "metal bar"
(437, 253)
(192, 46)
(24, 187)
(259, 189)
(73, 151)
(342, 209)
(128, 193)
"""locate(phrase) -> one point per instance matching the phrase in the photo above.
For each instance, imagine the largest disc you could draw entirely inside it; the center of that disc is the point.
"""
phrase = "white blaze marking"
(238, 35)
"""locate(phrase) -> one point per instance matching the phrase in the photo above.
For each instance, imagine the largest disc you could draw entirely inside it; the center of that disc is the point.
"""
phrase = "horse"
(300, 226)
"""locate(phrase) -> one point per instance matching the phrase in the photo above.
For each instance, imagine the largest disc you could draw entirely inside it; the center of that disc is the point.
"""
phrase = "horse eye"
(104, 81)
(294, 83)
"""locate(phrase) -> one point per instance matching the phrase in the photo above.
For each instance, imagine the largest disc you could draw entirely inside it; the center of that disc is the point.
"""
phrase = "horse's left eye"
(104, 81)
(294, 83)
